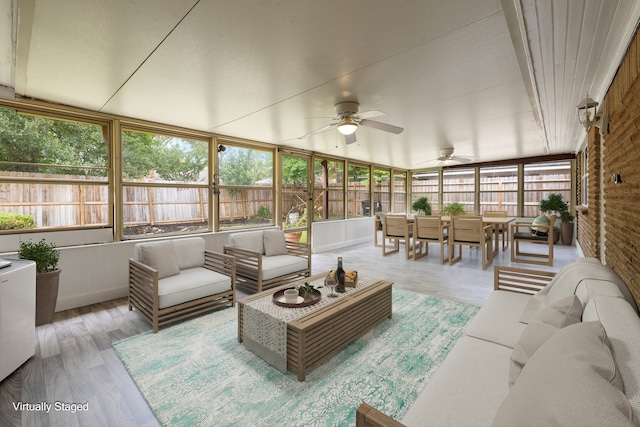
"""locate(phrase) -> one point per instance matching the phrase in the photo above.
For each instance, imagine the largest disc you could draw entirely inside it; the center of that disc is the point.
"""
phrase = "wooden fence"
(77, 204)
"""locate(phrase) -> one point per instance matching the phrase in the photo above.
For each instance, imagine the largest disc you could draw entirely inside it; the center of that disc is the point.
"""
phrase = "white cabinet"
(17, 315)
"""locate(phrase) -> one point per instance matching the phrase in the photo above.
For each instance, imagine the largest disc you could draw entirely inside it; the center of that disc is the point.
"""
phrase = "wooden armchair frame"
(249, 267)
(143, 292)
(518, 236)
(429, 229)
(398, 229)
(470, 231)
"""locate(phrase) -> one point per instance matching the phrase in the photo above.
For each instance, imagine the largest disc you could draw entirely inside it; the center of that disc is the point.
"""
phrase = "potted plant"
(452, 209)
(46, 257)
(554, 203)
(422, 206)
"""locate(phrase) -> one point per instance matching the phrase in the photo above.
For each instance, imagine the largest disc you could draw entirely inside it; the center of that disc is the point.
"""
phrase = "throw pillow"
(571, 380)
(540, 231)
(564, 312)
(161, 257)
(274, 242)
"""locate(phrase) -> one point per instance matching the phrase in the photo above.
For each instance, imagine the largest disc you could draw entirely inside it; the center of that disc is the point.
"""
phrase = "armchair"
(264, 259)
(398, 229)
(520, 232)
(176, 279)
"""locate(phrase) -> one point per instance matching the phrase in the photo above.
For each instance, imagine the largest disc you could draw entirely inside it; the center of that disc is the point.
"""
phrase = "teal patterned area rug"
(195, 373)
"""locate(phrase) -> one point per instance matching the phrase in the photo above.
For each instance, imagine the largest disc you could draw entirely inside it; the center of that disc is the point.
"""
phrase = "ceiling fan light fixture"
(347, 126)
(587, 110)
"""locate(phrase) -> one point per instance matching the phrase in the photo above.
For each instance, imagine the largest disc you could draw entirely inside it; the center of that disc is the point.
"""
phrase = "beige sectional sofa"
(571, 352)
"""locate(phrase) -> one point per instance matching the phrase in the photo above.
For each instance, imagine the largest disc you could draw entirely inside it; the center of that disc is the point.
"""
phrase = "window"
(295, 195)
(425, 184)
(399, 191)
(165, 184)
(328, 195)
(540, 179)
(246, 187)
(458, 185)
(382, 189)
(358, 203)
(53, 173)
(499, 189)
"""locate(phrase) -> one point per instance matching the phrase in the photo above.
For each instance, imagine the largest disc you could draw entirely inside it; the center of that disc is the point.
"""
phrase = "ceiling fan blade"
(368, 114)
(381, 126)
(461, 159)
(350, 139)
(320, 130)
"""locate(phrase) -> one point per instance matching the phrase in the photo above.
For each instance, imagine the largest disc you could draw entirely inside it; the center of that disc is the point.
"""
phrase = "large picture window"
(165, 184)
(541, 179)
(328, 194)
(246, 187)
(499, 189)
(358, 203)
(425, 184)
(53, 173)
(458, 185)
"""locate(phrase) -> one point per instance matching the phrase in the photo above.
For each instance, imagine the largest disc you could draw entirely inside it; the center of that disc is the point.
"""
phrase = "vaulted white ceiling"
(493, 79)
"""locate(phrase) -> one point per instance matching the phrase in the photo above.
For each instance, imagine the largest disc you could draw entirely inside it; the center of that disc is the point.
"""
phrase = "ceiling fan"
(446, 158)
(348, 119)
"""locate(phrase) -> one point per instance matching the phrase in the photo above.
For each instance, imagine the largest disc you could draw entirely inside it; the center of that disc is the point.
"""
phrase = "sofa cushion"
(566, 282)
(189, 252)
(191, 284)
(467, 388)
(589, 288)
(160, 256)
(561, 313)
(497, 321)
(274, 243)
(622, 324)
(570, 380)
(540, 231)
(278, 265)
(250, 240)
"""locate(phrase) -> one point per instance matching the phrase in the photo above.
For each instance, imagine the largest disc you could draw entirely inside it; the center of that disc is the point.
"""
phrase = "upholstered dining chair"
(429, 229)
(521, 233)
(470, 231)
(502, 230)
(397, 228)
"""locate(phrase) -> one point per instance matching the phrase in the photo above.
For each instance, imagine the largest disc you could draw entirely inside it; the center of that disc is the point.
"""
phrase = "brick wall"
(589, 235)
(621, 155)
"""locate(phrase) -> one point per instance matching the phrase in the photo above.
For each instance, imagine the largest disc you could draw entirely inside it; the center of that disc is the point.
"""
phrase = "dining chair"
(470, 231)
(429, 229)
(521, 233)
(397, 228)
(501, 229)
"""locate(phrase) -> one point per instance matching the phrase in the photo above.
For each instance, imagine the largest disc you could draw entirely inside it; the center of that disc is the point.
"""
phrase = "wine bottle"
(340, 277)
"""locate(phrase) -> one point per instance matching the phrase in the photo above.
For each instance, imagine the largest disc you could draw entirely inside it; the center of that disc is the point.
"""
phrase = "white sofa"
(264, 259)
(175, 279)
(553, 368)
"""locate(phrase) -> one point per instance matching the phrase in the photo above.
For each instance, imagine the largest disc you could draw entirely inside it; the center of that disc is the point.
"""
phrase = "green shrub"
(263, 212)
(454, 208)
(44, 254)
(15, 221)
(422, 206)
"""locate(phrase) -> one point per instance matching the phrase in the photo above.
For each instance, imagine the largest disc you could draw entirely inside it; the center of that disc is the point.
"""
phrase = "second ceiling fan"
(348, 119)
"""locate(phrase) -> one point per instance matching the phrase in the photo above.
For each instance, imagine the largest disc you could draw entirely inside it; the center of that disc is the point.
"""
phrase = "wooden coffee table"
(316, 336)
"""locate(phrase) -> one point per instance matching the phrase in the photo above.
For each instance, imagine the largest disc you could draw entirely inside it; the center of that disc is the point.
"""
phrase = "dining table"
(496, 222)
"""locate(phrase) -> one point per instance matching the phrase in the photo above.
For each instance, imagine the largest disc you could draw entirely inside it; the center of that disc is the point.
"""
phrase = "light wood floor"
(75, 363)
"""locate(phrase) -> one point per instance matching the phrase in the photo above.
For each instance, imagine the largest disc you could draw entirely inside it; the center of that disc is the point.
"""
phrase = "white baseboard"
(88, 299)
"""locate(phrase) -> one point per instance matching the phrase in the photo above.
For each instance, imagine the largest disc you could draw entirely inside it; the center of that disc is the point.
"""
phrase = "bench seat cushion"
(191, 284)
(279, 265)
(467, 389)
(498, 321)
